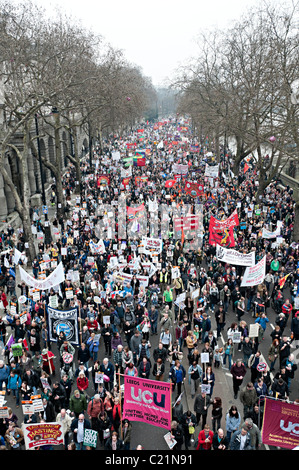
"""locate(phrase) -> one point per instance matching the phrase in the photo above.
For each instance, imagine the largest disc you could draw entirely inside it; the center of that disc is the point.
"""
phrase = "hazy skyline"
(158, 36)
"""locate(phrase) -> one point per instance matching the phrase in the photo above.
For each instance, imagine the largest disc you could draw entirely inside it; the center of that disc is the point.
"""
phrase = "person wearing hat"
(48, 363)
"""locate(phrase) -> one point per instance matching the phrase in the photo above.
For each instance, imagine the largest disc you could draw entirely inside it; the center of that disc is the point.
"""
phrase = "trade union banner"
(194, 189)
(235, 257)
(147, 401)
(254, 275)
(63, 320)
(221, 231)
(103, 180)
(280, 424)
(42, 434)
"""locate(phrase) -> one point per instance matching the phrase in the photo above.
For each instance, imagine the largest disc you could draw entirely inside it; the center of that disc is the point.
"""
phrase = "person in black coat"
(188, 420)
(58, 396)
(177, 433)
(114, 443)
(103, 424)
(83, 355)
(77, 424)
(48, 415)
(144, 368)
(32, 379)
(220, 441)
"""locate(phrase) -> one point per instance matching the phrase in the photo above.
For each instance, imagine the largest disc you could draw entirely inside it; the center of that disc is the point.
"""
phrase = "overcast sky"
(157, 35)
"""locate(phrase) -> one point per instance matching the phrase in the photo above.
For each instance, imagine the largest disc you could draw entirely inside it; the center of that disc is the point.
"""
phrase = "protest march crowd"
(161, 274)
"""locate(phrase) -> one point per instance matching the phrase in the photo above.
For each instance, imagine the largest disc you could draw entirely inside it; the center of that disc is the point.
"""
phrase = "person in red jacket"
(82, 382)
(92, 325)
(205, 439)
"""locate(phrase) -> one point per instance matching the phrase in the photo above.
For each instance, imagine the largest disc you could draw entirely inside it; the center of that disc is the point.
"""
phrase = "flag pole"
(121, 421)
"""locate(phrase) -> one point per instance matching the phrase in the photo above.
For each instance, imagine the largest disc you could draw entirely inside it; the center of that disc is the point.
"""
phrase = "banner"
(190, 222)
(42, 434)
(54, 279)
(98, 248)
(63, 320)
(179, 168)
(269, 235)
(194, 189)
(141, 179)
(235, 257)
(152, 246)
(212, 171)
(147, 401)
(255, 275)
(221, 231)
(280, 424)
(135, 213)
(125, 173)
(103, 180)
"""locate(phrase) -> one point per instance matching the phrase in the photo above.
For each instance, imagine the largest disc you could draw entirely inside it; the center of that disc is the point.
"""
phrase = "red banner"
(221, 231)
(103, 180)
(280, 424)
(140, 179)
(135, 213)
(126, 181)
(194, 189)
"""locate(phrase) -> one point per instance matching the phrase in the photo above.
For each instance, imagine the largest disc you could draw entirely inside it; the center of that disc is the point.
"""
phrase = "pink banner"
(148, 401)
(280, 424)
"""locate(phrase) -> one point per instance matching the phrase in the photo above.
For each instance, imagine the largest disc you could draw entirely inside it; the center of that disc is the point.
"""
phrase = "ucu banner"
(280, 424)
(148, 401)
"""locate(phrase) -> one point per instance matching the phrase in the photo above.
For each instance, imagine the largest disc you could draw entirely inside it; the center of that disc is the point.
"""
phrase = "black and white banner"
(235, 257)
(63, 320)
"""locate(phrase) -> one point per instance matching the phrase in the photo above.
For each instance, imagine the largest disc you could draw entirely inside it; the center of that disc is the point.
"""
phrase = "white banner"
(125, 173)
(180, 169)
(212, 171)
(55, 278)
(235, 257)
(267, 234)
(254, 275)
(98, 248)
(152, 246)
(41, 434)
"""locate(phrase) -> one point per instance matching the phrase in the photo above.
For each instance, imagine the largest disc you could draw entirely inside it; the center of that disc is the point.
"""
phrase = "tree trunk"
(58, 173)
(76, 161)
(296, 223)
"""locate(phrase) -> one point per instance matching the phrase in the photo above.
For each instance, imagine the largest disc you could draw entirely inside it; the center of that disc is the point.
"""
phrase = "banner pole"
(80, 332)
(121, 421)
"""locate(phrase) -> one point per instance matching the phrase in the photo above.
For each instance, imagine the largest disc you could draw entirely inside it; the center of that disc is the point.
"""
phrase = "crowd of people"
(152, 325)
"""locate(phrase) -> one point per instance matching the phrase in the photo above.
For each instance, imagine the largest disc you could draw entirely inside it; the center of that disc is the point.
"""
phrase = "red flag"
(246, 167)
(170, 183)
(25, 344)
